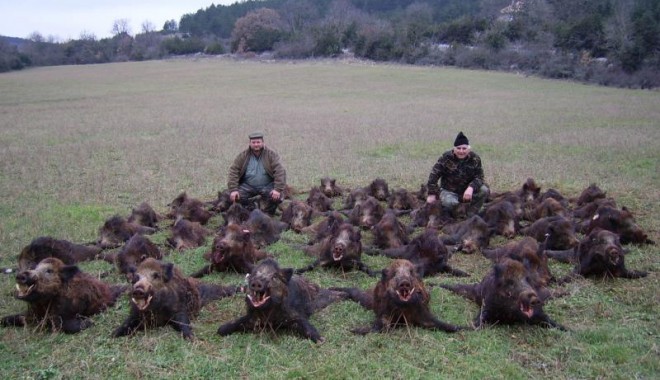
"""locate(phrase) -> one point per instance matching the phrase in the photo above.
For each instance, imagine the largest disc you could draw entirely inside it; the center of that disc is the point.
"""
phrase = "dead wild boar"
(379, 189)
(427, 253)
(117, 230)
(557, 232)
(145, 215)
(342, 249)
(389, 232)
(136, 250)
(264, 230)
(324, 228)
(297, 215)
(221, 203)
(187, 235)
(532, 255)
(468, 236)
(505, 296)
(330, 188)
(161, 295)
(600, 255)
(60, 297)
(367, 214)
(398, 299)
(192, 209)
(548, 207)
(501, 219)
(355, 197)
(621, 222)
(319, 201)
(401, 199)
(429, 215)
(277, 299)
(235, 214)
(46, 246)
(233, 250)
(590, 194)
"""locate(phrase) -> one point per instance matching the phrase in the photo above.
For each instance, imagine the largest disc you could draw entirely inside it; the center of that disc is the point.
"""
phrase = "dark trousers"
(248, 193)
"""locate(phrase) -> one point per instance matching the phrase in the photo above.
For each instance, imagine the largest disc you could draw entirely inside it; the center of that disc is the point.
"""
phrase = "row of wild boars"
(62, 298)
(552, 224)
(514, 291)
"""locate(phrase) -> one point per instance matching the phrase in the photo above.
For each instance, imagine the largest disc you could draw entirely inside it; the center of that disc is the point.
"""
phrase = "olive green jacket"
(272, 165)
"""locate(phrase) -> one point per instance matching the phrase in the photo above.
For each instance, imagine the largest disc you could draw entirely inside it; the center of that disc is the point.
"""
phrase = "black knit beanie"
(461, 140)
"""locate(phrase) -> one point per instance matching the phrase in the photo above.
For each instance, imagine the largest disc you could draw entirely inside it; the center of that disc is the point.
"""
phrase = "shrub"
(302, 46)
(257, 31)
(215, 48)
(181, 46)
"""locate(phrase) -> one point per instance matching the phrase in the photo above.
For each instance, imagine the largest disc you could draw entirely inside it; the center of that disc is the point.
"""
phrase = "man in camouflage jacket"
(461, 179)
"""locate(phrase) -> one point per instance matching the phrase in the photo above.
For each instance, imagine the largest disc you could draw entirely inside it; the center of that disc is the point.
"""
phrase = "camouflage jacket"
(272, 165)
(456, 175)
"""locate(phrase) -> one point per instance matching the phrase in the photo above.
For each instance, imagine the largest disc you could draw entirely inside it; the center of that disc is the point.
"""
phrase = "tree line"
(609, 42)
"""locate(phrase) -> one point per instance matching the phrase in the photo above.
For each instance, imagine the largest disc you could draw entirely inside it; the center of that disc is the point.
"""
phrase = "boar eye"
(49, 271)
(156, 276)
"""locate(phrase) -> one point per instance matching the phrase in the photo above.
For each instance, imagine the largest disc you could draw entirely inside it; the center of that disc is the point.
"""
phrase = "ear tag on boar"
(595, 217)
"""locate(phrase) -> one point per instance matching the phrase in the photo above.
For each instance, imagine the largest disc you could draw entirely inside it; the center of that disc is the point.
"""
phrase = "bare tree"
(148, 27)
(121, 26)
(87, 36)
(298, 14)
(36, 37)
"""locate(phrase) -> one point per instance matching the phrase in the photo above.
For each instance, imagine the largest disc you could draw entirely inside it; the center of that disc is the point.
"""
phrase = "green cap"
(256, 135)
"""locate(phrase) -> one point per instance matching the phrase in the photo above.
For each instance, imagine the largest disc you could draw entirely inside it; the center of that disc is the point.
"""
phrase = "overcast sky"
(67, 19)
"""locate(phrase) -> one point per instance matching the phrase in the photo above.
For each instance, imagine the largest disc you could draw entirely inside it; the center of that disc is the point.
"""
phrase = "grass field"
(79, 144)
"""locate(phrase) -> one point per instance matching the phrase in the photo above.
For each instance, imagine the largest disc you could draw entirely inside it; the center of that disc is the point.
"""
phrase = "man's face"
(461, 151)
(256, 145)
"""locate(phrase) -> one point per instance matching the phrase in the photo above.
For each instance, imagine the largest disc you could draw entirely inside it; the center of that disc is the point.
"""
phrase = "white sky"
(67, 19)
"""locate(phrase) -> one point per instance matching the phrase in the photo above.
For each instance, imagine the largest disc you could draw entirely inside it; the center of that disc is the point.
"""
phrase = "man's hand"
(275, 195)
(467, 195)
(234, 196)
(431, 199)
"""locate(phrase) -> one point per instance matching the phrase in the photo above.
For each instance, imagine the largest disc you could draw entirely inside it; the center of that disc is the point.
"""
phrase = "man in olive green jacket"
(257, 171)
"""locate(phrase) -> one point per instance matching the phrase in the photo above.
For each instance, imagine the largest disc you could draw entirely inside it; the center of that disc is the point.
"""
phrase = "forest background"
(608, 42)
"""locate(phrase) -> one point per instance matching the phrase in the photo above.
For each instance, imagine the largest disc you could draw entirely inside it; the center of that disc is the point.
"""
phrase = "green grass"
(79, 144)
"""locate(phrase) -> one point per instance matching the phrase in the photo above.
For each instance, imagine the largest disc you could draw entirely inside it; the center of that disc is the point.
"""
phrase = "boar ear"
(384, 274)
(168, 271)
(286, 273)
(68, 271)
(130, 274)
(498, 270)
(418, 271)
